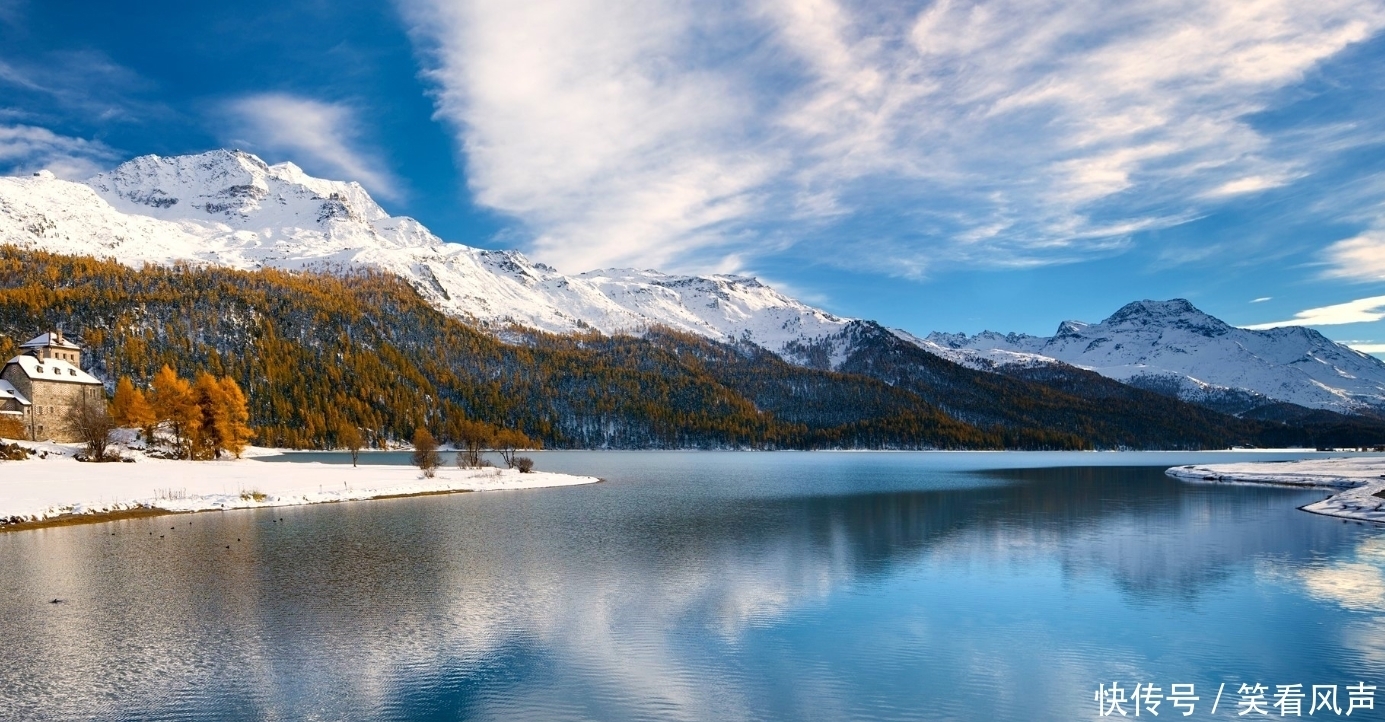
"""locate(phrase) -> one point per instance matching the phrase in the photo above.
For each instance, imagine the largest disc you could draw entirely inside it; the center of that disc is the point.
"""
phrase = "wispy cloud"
(83, 86)
(327, 137)
(1361, 258)
(1001, 132)
(1262, 299)
(27, 148)
(1363, 310)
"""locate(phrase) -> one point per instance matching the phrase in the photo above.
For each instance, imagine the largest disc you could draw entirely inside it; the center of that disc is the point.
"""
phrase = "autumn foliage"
(205, 417)
(317, 352)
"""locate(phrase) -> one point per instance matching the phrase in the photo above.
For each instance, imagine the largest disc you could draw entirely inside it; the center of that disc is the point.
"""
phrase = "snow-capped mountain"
(1173, 347)
(230, 208)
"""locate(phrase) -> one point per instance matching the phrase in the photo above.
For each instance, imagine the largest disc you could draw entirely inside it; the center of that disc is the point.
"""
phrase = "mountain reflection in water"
(697, 586)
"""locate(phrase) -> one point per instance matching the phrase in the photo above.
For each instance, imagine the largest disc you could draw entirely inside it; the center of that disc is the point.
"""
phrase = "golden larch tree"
(175, 404)
(132, 409)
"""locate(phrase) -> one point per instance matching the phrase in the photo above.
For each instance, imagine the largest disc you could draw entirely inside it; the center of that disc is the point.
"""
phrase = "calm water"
(707, 586)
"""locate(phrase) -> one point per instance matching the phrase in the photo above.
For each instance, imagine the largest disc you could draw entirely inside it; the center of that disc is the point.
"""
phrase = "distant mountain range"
(1173, 348)
(231, 209)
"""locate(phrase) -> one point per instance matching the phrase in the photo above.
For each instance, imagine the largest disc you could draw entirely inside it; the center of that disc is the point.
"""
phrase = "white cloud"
(1364, 310)
(1361, 258)
(1249, 184)
(589, 120)
(27, 148)
(1368, 347)
(1005, 132)
(324, 137)
(1262, 299)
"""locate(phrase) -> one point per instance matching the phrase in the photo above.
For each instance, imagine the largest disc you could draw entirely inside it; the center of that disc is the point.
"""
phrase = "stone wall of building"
(53, 404)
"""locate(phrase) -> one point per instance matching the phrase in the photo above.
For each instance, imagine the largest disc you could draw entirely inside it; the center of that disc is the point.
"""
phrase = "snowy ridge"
(232, 209)
(1173, 347)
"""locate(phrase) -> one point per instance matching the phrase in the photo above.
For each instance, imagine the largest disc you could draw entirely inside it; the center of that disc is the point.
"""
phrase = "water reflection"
(856, 588)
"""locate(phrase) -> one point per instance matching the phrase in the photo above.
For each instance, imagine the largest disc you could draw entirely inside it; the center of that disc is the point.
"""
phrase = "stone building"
(43, 385)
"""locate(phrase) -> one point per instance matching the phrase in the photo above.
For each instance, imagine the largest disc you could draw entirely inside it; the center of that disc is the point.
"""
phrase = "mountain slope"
(231, 209)
(314, 350)
(1176, 349)
(317, 350)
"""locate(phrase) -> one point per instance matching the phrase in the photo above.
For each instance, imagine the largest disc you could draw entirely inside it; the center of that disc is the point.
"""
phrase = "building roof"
(50, 339)
(8, 391)
(51, 369)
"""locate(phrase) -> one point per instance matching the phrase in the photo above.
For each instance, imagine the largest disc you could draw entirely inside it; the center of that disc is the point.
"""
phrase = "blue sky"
(932, 165)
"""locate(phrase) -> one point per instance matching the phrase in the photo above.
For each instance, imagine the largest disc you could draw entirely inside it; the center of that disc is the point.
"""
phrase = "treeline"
(320, 356)
(204, 417)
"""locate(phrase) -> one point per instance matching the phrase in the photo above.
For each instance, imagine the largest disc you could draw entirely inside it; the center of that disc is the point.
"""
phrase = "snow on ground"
(1360, 479)
(39, 489)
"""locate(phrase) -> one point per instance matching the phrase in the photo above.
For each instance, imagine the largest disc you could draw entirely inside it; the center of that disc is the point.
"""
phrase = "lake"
(706, 586)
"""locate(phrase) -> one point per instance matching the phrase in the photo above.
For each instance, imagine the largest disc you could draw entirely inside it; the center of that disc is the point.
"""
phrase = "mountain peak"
(1174, 313)
(233, 186)
(1172, 308)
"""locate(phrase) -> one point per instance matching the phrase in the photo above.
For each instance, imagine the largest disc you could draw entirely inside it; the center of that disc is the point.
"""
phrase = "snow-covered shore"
(60, 488)
(1360, 479)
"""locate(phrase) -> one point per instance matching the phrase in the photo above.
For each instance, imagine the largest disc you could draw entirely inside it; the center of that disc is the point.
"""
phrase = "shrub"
(92, 421)
(12, 428)
(253, 495)
(524, 464)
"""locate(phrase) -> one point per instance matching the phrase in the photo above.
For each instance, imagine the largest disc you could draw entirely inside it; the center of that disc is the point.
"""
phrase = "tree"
(91, 420)
(222, 417)
(508, 441)
(204, 437)
(131, 409)
(350, 438)
(175, 405)
(425, 452)
(235, 432)
(471, 437)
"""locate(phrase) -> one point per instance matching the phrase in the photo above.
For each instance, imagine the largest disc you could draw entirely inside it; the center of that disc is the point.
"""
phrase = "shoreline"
(1359, 482)
(61, 491)
(101, 517)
